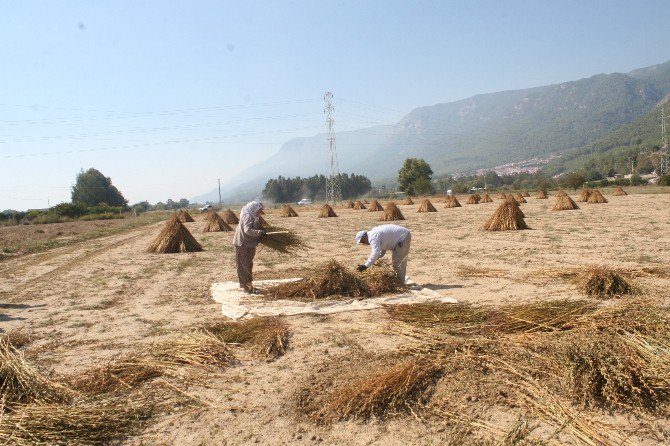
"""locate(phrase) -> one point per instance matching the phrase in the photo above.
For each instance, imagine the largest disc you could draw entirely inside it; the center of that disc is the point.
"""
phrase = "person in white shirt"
(384, 238)
(245, 240)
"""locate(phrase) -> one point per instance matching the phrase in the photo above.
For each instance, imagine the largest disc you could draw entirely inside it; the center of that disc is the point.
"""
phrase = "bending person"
(387, 238)
(246, 238)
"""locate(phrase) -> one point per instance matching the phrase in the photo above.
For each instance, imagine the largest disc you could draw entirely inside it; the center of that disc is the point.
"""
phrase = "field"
(86, 295)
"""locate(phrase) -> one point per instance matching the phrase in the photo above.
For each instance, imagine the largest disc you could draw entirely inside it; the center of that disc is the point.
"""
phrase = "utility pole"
(333, 187)
(219, 180)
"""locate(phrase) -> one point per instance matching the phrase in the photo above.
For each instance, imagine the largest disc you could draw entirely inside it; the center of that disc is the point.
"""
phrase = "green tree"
(183, 203)
(415, 177)
(92, 188)
(572, 180)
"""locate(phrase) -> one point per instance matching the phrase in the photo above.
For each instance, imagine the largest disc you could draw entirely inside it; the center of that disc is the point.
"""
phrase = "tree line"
(286, 190)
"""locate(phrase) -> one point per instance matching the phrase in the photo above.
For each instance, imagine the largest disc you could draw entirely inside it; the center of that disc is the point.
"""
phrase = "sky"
(167, 98)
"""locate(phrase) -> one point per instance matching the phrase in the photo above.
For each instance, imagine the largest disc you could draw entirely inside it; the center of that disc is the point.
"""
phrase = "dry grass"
(333, 279)
(193, 349)
(117, 375)
(214, 223)
(359, 206)
(507, 217)
(407, 201)
(229, 217)
(426, 206)
(584, 195)
(603, 282)
(519, 198)
(283, 241)
(477, 271)
(287, 211)
(185, 217)
(375, 206)
(472, 199)
(564, 203)
(619, 192)
(327, 211)
(486, 198)
(525, 194)
(349, 204)
(173, 238)
(269, 336)
(392, 213)
(542, 194)
(597, 197)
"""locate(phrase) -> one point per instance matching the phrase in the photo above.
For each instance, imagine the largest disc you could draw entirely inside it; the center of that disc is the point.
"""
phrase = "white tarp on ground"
(235, 304)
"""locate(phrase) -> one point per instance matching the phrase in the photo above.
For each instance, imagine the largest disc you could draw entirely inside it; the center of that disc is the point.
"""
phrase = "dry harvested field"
(103, 298)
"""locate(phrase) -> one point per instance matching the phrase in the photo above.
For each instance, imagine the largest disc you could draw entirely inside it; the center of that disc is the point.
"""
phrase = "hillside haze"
(479, 132)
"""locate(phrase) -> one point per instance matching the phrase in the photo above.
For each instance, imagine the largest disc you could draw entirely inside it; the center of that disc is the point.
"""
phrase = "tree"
(183, 203)
(92, 188)
(415, 177)
(572, 180)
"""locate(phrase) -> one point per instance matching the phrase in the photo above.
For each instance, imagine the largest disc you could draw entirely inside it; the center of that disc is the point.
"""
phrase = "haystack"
(392, 213)
(472, 200)
(265, 225)
(214, 223)
(451, 202)
(427, 206)
(349, 205)
(230, 217)
(541, 194)
(525, 194)
(359, 206)
(506, 218)
(287, 211)
(510, 199)
(564, 202)
(502, 196)
(519, 198)
(174, 237)
(603, 282)
(584, 195)
(408, 201)
(327, 211)
(597, 197)
(185, 217)
(375, 207)
(619, 192)
(486, 198)
(366, 202)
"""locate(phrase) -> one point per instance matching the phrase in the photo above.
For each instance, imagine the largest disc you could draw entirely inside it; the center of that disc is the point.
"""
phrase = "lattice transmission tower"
(333, 187)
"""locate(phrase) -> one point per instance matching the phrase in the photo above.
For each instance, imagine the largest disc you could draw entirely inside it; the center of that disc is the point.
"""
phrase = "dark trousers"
(244, 257)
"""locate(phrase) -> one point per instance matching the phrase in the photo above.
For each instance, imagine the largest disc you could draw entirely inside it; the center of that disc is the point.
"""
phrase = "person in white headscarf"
(246, 238)
(384, 238)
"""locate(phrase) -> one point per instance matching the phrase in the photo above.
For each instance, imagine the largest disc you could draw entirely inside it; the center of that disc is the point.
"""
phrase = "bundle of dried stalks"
(384, 392)
(472, 199)
(597, 197)
(214, 223)
(603, 282)
(333, 279)
(230, 217)
(502, 196)
(375, 207)
(619, 192)
(96, 421)
(584, 195)
(542, 194)
(391, 213)
(268, 336)
(564, 202)
(349, 204)
(525, 194)
(407, 201)
(287, 211)
(194, 349)
(519, 198)
(121, 374)
(359, 206)
(265, 225)
(366, 202)
(283, 241)
(327, 211)
(507, 217)
(512, 200)
(185, 217)
(451, 202)
(174, 237)
(426, 206)
(486, 198)
(21, 383)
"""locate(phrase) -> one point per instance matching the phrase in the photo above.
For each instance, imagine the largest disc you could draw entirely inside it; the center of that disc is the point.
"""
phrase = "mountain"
(479, 132)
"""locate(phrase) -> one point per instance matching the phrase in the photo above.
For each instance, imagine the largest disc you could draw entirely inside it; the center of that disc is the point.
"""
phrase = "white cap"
(359, 236)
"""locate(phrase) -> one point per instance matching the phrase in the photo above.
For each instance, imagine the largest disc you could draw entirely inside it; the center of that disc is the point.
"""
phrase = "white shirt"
(384, 238)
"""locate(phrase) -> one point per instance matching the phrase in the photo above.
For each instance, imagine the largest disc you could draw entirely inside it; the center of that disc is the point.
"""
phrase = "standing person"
(387, 238)
(246, 238)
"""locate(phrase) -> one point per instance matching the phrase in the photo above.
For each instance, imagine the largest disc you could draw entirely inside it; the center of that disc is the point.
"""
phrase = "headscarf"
(251, 209)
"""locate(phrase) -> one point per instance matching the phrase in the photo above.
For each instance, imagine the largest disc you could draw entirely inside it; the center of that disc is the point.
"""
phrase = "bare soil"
(99, 296)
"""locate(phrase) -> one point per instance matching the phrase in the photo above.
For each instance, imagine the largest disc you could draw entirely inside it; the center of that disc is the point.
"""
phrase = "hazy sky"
(165, 97)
